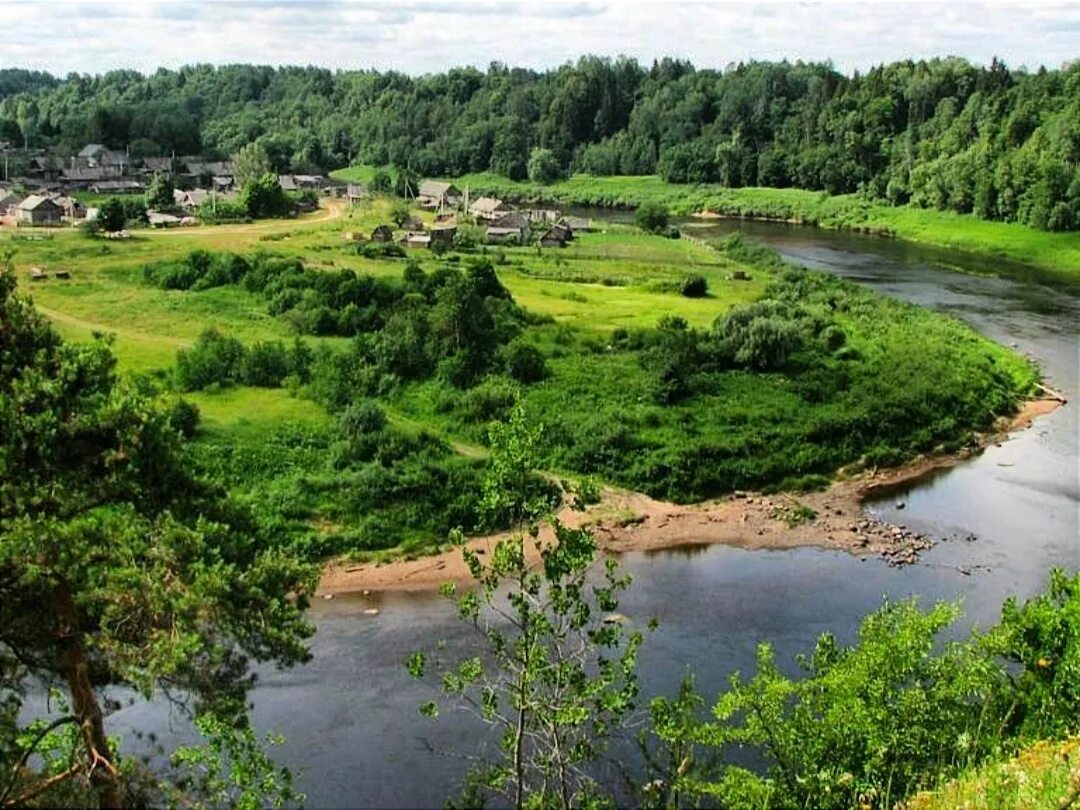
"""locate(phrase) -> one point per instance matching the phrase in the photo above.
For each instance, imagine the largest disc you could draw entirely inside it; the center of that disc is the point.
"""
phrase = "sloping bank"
(1055, 256)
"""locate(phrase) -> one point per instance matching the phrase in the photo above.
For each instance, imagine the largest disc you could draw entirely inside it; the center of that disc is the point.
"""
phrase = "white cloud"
(93, 37)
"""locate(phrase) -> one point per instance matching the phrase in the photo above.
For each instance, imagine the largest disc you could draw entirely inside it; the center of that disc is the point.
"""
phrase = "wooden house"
(555, 236)
(488, 208)
(443, 236)
(39, 211)
(117, 187)
(436, 194)
(417, 240)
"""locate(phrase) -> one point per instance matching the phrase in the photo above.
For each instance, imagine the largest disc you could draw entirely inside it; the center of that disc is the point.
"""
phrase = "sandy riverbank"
(629, 521)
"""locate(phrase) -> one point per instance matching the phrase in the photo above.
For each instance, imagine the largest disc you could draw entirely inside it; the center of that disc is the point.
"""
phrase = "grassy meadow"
(680, 412)
(1056, 255)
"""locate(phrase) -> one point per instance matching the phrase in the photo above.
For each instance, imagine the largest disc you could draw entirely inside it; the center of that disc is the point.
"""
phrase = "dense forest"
(1003, 144)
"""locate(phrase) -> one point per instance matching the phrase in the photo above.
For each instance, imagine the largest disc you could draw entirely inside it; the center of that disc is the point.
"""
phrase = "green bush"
(694, 286)
(651, 217)
(214, 360)
(184, 417)
(524, 363)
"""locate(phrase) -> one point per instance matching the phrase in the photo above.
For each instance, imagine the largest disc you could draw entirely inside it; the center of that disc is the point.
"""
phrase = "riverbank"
(627, 521)
(1024, 252)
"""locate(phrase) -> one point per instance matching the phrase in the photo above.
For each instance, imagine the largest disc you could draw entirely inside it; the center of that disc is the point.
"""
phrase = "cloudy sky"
(92, 37)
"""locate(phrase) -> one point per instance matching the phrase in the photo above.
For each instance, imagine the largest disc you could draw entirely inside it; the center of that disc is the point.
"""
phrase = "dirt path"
(628, 521)
(329, 210)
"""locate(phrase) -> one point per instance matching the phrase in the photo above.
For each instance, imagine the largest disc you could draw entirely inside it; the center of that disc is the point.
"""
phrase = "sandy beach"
(628, 521)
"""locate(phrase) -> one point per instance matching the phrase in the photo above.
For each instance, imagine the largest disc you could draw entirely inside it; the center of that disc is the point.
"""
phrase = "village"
(54, 191)
(499, 222)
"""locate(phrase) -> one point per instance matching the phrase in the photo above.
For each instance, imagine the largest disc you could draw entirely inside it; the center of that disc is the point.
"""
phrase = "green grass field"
(1057, 255)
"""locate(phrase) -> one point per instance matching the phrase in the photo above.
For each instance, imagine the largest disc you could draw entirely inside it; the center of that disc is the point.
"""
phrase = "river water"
(350, 716)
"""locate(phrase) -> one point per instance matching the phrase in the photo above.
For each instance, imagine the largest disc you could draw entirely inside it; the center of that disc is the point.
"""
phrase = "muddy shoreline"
(628, 521)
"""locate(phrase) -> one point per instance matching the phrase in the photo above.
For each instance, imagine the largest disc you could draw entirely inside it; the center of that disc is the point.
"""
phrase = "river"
(350, 716)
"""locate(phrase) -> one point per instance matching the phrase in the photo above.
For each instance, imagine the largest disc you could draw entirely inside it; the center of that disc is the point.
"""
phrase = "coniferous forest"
(998, 142)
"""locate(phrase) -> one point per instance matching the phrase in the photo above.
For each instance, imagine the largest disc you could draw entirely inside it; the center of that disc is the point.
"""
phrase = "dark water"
(350, 716)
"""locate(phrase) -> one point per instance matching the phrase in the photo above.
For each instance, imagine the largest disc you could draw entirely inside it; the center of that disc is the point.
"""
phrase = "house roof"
(288, 182)
(503, 231)
(576, 223)
(114, 157)
(35, 201)
(100, 173)
(435, 188)
(486, 205)
(513, 219)
(92, 150)
(158, 218)
(157, 164)
(118, 185)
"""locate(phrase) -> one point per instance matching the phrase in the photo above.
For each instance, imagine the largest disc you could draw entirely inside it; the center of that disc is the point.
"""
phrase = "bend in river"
(350, 716)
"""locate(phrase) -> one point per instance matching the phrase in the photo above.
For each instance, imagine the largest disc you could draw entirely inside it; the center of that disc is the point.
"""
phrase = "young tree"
(118, 566)
(544, 166)
(112, 216)
(651, 217)
(250, 164)
(400, 213)
(556, 676)
(264, 197)
(159, 195)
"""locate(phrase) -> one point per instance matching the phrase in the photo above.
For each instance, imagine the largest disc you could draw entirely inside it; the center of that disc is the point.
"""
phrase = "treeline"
(1002, 144)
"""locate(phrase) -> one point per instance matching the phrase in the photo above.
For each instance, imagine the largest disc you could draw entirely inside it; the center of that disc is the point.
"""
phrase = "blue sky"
(425, 37)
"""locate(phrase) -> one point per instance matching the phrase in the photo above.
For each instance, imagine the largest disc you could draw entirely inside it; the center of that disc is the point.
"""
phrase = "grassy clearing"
(1057, 255)
(1043, 776)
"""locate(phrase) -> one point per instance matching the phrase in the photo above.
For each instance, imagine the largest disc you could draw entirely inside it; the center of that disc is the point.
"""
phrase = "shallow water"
(350, 716)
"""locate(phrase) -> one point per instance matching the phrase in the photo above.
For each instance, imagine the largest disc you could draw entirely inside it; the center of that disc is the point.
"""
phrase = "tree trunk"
(84, 703)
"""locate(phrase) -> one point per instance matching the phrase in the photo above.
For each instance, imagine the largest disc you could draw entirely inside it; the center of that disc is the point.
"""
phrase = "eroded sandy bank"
(629, 521)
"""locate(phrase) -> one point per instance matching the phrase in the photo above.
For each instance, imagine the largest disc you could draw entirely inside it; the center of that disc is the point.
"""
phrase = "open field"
(1056, 255)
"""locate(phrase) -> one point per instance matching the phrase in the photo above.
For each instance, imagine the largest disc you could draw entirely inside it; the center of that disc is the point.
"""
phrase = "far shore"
(626, 521)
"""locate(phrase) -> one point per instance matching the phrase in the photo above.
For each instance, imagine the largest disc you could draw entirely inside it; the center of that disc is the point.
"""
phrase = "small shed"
(355, 192)
(443, 236)
(382, 233)
(417, 240)
(555, 236)
(39, 211)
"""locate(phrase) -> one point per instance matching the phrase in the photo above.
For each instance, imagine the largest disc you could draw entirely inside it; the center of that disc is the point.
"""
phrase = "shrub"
(184, 417)
(111, 215)
(265, 365)
(651, 217)
(524, 363)
(214, 359)
(694, 286)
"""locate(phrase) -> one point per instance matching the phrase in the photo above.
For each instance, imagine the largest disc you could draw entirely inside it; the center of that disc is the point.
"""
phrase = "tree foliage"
(557, 675)
(118, 567)
(997, 142)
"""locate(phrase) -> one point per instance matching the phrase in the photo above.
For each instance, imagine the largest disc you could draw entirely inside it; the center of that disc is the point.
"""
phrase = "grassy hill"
(1045, 776)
